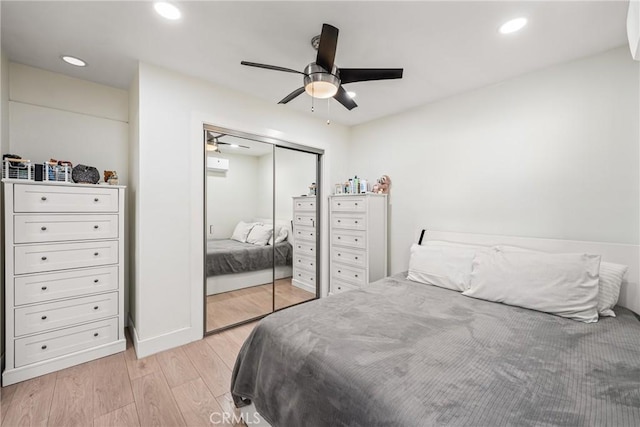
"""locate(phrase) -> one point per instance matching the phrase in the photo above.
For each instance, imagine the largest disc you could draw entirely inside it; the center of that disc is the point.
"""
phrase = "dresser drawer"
(41, 258)
(351, 222)
(305, 233)
(353, 275)
(305, 205)
(43, 317)
(355, 239)
(305, 248)
(44, 198)
(57, 228)
(305, 263)
(353, 257)
(51, 286)
(58, 343)
(305, 220)
(337, 286)
(304, 276)
(351, 204)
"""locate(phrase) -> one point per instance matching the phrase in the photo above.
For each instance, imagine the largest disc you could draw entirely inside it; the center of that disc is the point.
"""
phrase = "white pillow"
(276, 232)
(282, 236)
(260, 235)
(561, 284)
(611, 276)
(443, 264)
(242, 231)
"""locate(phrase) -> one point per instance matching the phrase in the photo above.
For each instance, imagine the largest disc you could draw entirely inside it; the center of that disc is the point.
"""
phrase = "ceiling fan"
(213, 143)
(323, 79)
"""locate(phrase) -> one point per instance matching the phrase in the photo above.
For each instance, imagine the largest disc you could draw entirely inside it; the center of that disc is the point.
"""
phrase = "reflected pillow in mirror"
(242, 231)
(260, 235)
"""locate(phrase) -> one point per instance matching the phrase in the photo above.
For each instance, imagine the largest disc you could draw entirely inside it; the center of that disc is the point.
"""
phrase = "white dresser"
(64, 275)
(358, 240)
(304, 243)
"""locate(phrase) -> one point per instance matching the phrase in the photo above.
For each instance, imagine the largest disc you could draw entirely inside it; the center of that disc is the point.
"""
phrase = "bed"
(234, 265)
(404, 353)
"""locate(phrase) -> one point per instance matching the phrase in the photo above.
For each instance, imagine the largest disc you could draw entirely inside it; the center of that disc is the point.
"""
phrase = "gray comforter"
(226, 256)
(400, 353)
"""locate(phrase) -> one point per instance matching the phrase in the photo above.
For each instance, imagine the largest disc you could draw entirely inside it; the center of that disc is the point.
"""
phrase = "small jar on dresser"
(358, 240)
(304, 243)
(64, 275)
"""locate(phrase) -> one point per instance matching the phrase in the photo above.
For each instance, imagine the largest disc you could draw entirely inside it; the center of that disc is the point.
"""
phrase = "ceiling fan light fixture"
(320, 84)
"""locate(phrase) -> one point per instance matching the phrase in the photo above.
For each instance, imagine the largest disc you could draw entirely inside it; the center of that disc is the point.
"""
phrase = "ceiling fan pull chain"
(312, 98)
(328, 111)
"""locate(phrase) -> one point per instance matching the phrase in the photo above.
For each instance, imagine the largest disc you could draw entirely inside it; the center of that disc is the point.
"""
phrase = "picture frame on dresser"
(64, 275)
(357, 240)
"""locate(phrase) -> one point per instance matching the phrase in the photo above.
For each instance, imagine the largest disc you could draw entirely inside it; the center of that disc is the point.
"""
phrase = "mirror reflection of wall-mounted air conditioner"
(217, 164)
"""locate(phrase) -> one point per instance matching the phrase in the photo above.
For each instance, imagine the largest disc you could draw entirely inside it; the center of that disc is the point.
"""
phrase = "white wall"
(232, 196)
(553, 153)
(4, 148)
(169, 228)
(56, 116)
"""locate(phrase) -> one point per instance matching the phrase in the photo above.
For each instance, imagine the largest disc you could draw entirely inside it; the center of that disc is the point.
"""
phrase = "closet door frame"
(275, 142)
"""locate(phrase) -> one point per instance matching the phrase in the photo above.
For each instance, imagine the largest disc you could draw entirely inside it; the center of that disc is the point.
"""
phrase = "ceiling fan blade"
(327, 47)
(351, 75)
(343, 98)
(271, 67)
(231, 144)
(292, 95)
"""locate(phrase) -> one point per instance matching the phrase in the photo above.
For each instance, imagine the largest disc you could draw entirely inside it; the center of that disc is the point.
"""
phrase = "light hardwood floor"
(178, 387)
(232, 307)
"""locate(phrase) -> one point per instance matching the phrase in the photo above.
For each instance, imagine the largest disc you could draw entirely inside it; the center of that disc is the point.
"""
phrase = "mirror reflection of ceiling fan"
(214, 143)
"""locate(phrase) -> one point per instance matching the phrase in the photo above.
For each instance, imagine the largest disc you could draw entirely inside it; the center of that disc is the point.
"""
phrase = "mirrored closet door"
(261, 213)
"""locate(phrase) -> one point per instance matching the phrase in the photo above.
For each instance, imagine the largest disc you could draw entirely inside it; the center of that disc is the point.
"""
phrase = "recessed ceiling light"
(351, 94)
(513, 25)
(167, 10)
(73, 61)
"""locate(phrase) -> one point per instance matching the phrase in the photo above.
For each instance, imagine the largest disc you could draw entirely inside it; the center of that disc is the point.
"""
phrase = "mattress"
(226, 256)
(400, 353)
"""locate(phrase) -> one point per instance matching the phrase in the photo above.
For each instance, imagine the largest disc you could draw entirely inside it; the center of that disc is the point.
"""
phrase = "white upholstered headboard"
(611, 252)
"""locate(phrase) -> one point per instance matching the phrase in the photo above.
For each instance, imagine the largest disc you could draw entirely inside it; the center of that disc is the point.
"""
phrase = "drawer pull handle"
(356, 222)
(44, 258)
(96, 199)
(356, 275)
(339, 254)
(43, 228)
(339, 271)
(95, 280)
(338, 220)
(43, 198)
(96, 254)
(339, 237)
(96, 227)
(312, 279)
(356, 204)
(356, 240)
(356, 257)
(44, 347)
(95, 334)
(299, 275)
(44, 317)
(44, 288)
(338, 204)
(95, 308)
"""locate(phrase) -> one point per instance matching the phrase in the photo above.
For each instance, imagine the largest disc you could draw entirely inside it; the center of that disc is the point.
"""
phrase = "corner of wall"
(4, 148)
(132, 198)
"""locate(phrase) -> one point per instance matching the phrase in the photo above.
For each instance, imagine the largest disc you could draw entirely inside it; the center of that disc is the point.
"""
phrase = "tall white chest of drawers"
(304, 243)
(64, 276)
(358, 240)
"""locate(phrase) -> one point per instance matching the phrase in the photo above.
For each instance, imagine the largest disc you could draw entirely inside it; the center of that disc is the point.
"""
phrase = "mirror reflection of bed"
(249, 254)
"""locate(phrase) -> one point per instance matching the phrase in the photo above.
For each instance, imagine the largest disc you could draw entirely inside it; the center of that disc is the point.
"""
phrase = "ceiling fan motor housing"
(319, 83)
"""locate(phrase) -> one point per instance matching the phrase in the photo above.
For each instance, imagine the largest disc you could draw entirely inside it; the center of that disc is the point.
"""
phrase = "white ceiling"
(445, 47)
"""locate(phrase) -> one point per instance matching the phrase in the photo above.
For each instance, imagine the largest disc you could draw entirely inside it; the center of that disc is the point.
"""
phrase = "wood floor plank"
(72, 403)
(226, 403)
(197, 404)
(31, 402)
(177, 367)
(155, 402)
(225, 347)
(111, 384)
(6, 396)
(215, 374)
(127, 416)
(140, 367)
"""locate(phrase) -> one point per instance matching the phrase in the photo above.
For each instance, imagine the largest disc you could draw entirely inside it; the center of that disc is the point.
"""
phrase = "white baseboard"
(303, 286)
(153, 345)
